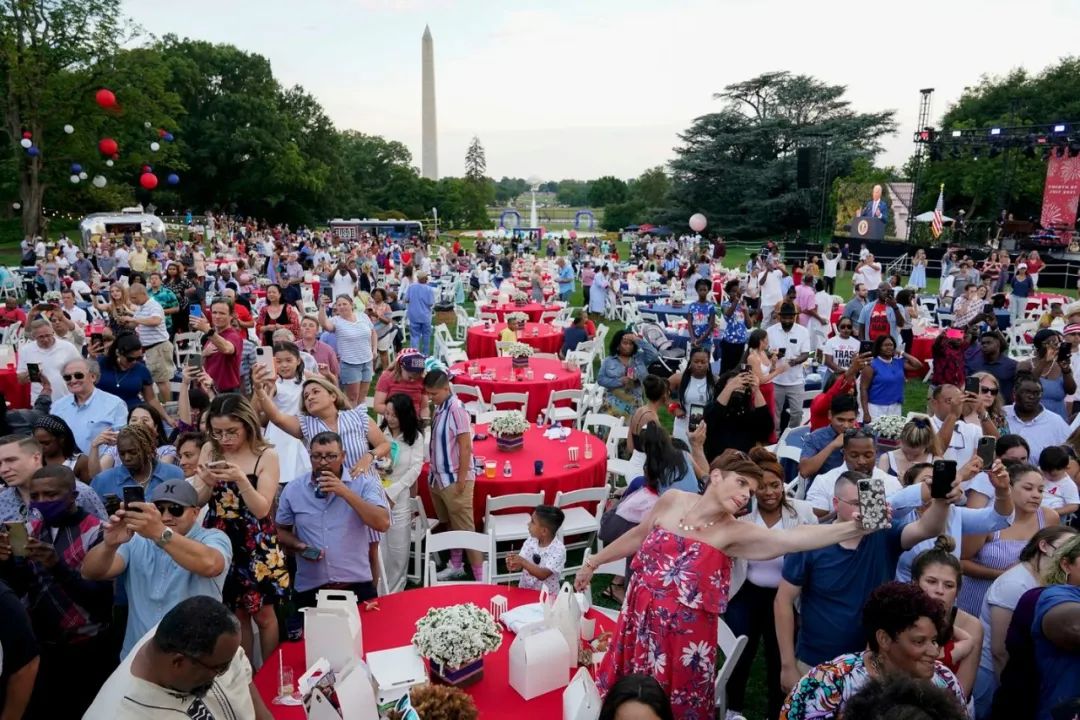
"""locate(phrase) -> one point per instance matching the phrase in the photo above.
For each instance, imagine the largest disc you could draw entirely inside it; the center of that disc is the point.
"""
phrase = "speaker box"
(805, 163)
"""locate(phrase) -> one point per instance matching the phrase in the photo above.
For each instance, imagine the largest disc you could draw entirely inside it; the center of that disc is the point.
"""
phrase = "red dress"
(667, 628)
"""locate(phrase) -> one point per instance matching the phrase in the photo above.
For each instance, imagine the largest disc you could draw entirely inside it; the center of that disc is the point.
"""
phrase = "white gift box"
(538, 660)
(395, 672)
(563, 613)
(581, 699)
(332, 629)
(352, 686)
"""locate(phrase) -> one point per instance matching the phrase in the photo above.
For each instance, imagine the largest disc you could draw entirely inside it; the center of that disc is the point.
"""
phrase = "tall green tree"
(475, 161)
(574, 193)
(607, 190)
(651, 188)
(737, 166)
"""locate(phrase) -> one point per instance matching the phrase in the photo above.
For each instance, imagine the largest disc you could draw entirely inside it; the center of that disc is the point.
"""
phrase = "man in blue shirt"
(823, 449)
(420, 302)
(834, 582)
(1056, 632)
(87, 410)
(138, 465)
(325, 518)
(565, 278)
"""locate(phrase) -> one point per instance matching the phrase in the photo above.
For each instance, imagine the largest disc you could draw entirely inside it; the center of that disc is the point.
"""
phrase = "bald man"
(877, 207)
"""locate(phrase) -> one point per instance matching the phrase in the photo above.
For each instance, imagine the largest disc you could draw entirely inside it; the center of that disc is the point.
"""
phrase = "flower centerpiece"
(678, 297)
(517, 317)
(887, 430)
(509, 430)
(519, 354)
(454, 640)
(520, 299)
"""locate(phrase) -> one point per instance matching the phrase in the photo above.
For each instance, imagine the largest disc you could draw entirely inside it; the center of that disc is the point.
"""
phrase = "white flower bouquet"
(519, 350)
(517, 317)
(888, 427)
(457, 635)
(519, 297)
(509, 423)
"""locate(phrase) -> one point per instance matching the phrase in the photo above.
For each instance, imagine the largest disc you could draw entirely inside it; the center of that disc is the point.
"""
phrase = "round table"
(533, 309)
(662, 311)
(506, 379)
(394, 624)
(16, 394)
(523, 479)
(480, 339)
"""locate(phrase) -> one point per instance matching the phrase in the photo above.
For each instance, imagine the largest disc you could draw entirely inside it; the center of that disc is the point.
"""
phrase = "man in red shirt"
(11, 313)
(222, 346)
(841, 385)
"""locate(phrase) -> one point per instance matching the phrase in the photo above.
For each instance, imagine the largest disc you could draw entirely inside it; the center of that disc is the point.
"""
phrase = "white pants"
(877, 411)
(396, 544)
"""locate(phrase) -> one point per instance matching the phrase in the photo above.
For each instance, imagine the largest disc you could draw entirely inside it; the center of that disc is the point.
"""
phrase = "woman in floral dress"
(238, 477)
(681, 581)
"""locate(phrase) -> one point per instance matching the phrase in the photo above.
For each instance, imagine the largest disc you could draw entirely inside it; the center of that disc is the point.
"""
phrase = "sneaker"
(451, 573)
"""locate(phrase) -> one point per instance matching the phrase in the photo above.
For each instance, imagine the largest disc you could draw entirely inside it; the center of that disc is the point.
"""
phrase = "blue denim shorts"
(355, 372)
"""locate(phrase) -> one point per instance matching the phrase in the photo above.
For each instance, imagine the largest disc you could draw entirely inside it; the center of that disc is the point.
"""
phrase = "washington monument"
(430, 147)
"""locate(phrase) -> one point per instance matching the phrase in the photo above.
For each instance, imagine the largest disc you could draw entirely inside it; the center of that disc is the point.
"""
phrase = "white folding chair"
(616, 430)
(556, 412)
(502, 346)
(506, 527)
(516, 401)
(471, 397)
(456, 540)
(579, 521)
(463, 322)
(549, 316)
(732, 648)
(185, 345)
(421, 526)
(616, 568)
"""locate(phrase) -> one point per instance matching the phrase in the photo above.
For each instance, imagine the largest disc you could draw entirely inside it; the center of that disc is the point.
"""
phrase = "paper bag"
(395, 672)
(581, 699)
(563, 613)
(538, 660)
(350, 695)
(332, 629)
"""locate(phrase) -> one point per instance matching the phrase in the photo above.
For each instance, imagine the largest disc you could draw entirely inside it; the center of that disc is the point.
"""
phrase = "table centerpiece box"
(454, 640)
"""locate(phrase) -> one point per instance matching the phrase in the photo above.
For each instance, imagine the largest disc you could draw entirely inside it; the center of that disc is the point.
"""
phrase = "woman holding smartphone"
(1053, 367)
(238, 479)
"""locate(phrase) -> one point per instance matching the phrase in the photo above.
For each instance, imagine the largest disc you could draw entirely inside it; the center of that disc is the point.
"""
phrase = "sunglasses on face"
(988, 390)
(134, 358)
(170, 508)
(73, 376)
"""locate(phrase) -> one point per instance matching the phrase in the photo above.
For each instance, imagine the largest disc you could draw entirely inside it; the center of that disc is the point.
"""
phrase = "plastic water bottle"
(507, 470)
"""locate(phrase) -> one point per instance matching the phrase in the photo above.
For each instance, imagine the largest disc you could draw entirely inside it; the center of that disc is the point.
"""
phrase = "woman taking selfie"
(356, 346)
(738, 417)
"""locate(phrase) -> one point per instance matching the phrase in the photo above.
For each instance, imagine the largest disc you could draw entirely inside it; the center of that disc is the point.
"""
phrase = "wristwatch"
(166, 536)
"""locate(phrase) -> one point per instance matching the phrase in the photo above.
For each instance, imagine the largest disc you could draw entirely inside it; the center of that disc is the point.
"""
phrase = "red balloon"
(28, 134)
(162, 132)
(108, 146)
(148, 181)
(105, 98)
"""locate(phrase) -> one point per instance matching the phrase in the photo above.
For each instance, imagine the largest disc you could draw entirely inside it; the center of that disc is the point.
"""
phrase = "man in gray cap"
(167, 556)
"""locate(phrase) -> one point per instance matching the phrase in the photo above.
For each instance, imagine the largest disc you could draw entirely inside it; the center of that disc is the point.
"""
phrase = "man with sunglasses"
(87, 410)
(189, 666)
(958, 438)
(162, 555)
(49, 353)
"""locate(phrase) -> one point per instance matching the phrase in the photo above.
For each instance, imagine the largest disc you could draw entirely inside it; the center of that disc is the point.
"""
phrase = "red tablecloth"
(507, 380)
(16, 393)
(480, 340)
(533, 310)
(557, 476)
(394, 624)
(922, 347)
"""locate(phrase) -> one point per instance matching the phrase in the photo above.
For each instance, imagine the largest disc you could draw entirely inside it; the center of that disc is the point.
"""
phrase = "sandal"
(610, 594)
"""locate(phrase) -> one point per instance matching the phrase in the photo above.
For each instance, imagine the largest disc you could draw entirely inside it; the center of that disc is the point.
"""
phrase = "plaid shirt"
(451, 419)
(247, 361)
(63, 606)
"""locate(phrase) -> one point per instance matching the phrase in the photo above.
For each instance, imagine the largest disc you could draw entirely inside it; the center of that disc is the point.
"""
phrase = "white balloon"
(148, 125)
(155, 146)
(697, 222)
(26, 143)
(16, 206)
(83, 175)
(109, 163)
(100, 181)
(69, 129)
(75, 179)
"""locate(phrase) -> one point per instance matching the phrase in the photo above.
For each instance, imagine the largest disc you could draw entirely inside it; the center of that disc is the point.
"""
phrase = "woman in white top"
(750, 611)
(356, 346)
(399, 473)
(918, 444)
(694, 387)
(286, 391)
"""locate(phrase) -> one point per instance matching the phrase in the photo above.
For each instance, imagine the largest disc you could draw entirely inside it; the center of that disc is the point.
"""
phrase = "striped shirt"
(151, 334)
(353, 429)
(353, 339)
(451, 419)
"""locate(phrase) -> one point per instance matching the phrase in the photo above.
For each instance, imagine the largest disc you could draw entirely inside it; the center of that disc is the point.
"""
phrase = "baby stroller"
(670, 357)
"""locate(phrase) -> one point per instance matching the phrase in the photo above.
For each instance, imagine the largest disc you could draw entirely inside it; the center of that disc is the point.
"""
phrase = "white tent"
(929, 215)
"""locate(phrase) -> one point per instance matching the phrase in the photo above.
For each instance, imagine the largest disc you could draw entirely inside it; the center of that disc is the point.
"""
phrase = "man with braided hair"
(139, 465)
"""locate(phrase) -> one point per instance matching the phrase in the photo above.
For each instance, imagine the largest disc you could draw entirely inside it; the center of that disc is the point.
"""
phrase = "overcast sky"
(583, 88)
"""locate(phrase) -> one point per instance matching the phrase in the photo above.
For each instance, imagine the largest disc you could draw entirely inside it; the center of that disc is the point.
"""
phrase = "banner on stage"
(1061, 193)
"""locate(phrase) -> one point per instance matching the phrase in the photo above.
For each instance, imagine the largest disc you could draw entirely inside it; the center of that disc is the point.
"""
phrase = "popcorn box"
(538, 661)
(332, 629)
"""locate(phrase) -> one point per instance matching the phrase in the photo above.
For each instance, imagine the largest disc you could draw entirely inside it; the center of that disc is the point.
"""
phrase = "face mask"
(51, 510)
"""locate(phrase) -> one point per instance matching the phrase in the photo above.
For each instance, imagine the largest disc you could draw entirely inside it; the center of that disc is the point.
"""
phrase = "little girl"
(542, 557)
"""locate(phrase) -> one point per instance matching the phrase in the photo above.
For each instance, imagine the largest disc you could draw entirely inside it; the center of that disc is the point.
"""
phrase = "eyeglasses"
(134, 358)
(73, 376)
(853, 503)
(324, 457)
(231, 434)
(983, 390)
(218, 670)
(170, 508)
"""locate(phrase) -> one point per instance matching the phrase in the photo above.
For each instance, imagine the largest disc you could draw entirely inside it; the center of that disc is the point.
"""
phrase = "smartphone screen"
(133, 494)
(971, 385)
(942, 479)
(310, 553)
(1064, 351)
(986, 450)
(195, 360)
(866, 346)
(696, 413)
(18, 537)
(33, 370)
(195, 311)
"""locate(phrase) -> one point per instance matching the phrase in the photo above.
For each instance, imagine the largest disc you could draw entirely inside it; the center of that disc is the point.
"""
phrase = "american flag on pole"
(937, 225)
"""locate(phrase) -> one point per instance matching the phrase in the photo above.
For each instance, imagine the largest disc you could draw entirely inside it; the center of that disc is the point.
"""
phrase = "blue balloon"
(76, 168)
(33, 151)
(173, 179)
(168, 137)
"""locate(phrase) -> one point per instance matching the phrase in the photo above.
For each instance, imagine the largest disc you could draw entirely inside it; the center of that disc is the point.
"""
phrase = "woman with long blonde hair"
(238, 477)
(989, 405)
(918, 444)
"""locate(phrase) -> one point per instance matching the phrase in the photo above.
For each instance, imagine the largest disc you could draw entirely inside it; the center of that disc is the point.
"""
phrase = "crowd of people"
(175, 516)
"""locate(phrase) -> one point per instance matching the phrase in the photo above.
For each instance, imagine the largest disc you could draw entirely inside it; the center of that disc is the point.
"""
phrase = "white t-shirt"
(820, 494)
(342, 283)
(824, 303)
(872, 275)
(831, 265)
(770, 289)
(1046, 429)
(122, 258)
(965, 439)
(51, 362)
(863, 252)
(796, 342)
(841, 350)
(77, 315)
(1005, 592)
(1059, 493)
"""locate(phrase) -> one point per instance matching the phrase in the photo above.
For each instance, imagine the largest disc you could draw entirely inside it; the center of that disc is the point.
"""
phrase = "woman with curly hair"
(103, 455)
(58, 446)
(902, 625)
(238, 478)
